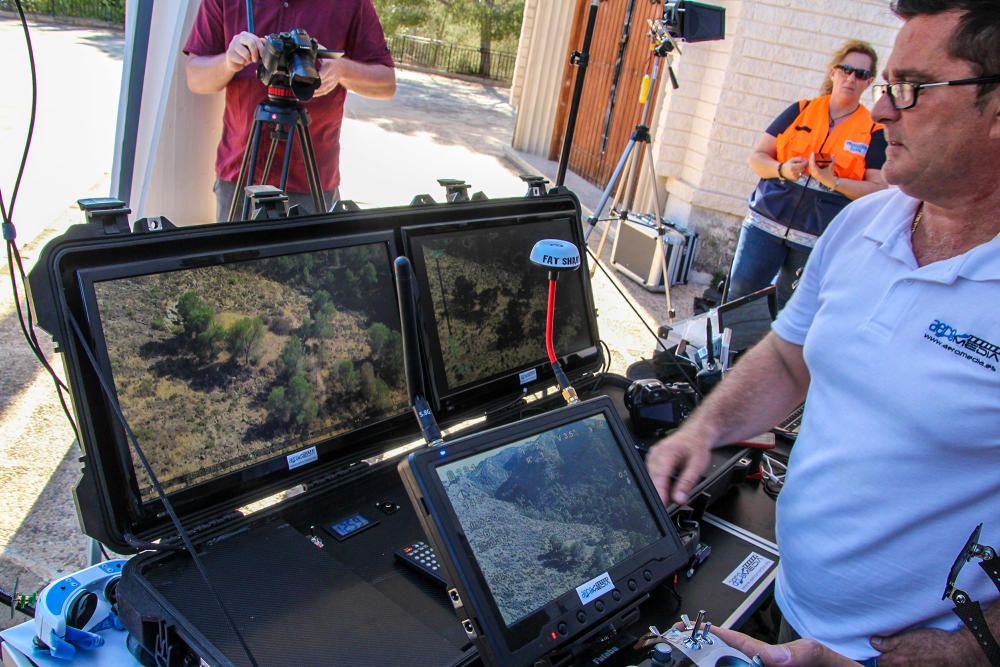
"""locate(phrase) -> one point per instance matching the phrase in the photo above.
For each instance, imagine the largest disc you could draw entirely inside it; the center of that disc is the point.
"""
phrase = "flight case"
(257, 368)
(260, 358)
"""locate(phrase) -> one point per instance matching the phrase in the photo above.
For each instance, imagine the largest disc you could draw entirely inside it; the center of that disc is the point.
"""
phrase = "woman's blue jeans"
(762, 259)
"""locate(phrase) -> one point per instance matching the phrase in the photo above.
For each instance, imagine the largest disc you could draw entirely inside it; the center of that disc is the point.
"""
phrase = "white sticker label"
(856, 147)
(748, 572)
(528, 376)
(595, 588)
(299, 459)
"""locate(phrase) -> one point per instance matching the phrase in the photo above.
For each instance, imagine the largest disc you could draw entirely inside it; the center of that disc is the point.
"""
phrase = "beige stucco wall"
(775, 52)
(541, 58)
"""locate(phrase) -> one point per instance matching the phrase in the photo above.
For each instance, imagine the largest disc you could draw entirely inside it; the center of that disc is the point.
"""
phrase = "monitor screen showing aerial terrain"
(548, 512)
(220, 368)
(484, 304)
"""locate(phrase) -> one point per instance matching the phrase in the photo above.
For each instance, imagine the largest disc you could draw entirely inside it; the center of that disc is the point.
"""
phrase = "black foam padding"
(294, 605)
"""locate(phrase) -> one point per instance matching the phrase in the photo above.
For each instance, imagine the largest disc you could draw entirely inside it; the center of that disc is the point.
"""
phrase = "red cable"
(549, 316)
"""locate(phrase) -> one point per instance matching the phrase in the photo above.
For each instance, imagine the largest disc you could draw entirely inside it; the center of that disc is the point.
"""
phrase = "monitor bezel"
(501, 388)
(531, 637)
(113, 446)
(769, 293)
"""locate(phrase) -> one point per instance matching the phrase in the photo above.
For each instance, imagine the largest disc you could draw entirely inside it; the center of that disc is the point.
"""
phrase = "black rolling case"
(257, 366)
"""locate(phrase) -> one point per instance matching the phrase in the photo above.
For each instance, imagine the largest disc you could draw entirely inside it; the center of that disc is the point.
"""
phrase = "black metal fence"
(112, 11)
(432, 54)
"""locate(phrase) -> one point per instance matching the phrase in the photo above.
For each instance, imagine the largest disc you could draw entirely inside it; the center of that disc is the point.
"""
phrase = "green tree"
(209, 343)
(495, 20)
(195, 314)
(402, 15)
(302, 397)
(368, 383)
(387, 351)
(278, 407)
(294, 404)
(244, 338)
(349, 378)
(292, 359)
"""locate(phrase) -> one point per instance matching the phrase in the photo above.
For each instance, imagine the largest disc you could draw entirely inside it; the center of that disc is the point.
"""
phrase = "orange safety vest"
(806, 206)
(811, 133)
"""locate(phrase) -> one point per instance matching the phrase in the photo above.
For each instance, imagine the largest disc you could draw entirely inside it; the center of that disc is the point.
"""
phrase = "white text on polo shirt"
(967, 346)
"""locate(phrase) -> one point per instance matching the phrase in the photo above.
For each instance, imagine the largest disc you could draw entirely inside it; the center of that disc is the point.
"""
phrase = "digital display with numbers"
(350, 525)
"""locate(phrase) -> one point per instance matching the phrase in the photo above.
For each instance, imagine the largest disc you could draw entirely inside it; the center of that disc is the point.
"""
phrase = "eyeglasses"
(858, 72)
(903, 94)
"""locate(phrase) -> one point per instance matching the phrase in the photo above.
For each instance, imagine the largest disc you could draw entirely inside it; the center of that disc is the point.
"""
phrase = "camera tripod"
(625, 174)
(288, 117)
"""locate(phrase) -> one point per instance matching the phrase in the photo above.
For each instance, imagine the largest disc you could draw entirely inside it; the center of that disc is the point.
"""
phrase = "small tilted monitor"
(482, 309)
(548, 529)
(243, 367)
(749, 318)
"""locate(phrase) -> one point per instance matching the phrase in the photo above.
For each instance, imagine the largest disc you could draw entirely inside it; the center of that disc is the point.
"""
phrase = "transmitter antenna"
(556, 256)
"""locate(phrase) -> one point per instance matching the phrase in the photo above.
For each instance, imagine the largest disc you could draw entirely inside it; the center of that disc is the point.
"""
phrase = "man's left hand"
(927, 646)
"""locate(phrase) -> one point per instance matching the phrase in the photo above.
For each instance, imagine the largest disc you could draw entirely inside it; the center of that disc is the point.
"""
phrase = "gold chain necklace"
(917, 218)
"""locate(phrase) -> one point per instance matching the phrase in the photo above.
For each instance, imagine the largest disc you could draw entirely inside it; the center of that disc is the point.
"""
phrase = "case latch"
(110, 213)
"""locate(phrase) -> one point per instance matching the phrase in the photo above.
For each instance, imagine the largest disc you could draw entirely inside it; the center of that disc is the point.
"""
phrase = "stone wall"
(775, 52)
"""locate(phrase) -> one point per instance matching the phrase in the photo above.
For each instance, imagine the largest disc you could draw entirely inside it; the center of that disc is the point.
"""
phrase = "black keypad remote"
(421, 557)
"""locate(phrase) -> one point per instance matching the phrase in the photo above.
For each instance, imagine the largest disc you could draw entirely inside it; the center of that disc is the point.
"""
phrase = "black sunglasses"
(858, 72)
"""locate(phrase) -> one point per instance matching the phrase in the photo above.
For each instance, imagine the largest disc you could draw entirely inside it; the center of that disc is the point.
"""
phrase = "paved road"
(436, 127)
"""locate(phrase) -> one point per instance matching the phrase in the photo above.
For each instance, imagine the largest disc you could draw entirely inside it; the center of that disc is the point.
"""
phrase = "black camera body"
(289, 64)
(655, 407)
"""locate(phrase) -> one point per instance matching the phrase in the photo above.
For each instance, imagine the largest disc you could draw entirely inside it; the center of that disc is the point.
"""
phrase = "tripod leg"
(312, 170)
(607, 190)
(628, 165)
(246, 168)
(287, 159)
(269, 162)
(660, 230)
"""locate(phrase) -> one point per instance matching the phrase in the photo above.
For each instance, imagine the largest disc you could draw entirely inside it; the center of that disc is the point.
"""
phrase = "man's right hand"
(676, 463)
(245, 48)
(799, 653)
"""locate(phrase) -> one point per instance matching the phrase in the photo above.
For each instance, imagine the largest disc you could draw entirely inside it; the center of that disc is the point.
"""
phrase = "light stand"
(624, 175)
(556, 256)
(578, 58)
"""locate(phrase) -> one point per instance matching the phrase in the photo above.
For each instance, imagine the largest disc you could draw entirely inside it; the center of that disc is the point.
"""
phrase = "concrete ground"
(436, 127)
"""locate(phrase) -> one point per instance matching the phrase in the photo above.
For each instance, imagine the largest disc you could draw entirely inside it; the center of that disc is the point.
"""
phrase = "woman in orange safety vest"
(815, 158)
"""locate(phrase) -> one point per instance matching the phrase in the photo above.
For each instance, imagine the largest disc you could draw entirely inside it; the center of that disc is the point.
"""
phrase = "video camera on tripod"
(288, 64)
(288, 70)
(694, 21)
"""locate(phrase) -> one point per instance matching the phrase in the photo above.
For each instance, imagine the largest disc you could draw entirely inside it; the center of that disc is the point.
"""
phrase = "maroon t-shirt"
(351, 26)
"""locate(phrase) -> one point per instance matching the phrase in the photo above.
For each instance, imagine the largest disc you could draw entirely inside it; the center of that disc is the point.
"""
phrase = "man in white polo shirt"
(893, 338)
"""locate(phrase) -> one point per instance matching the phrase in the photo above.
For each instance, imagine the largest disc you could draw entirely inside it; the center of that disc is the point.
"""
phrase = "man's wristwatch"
(781, 177)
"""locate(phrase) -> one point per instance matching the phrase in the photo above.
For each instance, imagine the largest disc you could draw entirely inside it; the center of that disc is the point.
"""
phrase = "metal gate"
(609, 105)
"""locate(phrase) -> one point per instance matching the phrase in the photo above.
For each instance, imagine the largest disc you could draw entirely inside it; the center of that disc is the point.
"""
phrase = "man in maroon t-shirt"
(222, 55)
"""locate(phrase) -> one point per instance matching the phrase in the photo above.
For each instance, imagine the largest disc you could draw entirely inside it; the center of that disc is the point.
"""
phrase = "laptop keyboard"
(790, 424)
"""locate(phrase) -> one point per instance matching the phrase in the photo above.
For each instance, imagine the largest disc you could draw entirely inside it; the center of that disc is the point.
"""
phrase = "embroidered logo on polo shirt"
(965, 345)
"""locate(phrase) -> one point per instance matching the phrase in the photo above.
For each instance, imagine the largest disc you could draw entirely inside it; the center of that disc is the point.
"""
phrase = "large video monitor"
(482, 307)
(547, 528)
(238, 367)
